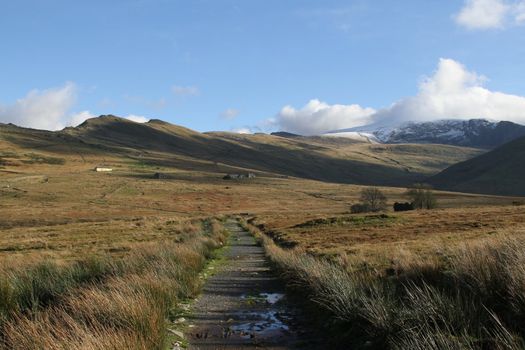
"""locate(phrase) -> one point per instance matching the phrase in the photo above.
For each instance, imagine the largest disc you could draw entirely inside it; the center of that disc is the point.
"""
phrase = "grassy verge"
(471, 298)
(105, 302)
(178, 319)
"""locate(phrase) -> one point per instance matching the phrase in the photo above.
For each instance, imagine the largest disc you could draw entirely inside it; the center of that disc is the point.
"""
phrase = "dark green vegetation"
(158, 143)
(500, 171)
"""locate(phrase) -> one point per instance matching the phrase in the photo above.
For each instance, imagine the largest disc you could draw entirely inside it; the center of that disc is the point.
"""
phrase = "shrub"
(373, 198)
(359, 208)
(422, 196)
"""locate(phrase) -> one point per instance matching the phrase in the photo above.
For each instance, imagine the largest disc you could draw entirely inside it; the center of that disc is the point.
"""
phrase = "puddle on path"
(272, 298)
(269, 298)
(265, 323)
(261, 324)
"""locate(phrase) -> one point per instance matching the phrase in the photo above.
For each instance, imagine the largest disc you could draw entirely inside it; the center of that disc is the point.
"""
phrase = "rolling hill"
(500, 171)
(158, 143)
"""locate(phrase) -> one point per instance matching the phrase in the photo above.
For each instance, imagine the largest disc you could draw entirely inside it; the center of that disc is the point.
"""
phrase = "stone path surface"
(243, 305)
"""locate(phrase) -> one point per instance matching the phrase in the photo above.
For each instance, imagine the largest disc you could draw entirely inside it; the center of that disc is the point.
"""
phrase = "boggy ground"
(243, 304)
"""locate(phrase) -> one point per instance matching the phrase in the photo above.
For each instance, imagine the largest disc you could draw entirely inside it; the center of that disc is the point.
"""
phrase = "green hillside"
(500, 171)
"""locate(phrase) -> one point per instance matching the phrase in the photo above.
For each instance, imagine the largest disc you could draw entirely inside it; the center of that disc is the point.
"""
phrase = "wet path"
(243, 305)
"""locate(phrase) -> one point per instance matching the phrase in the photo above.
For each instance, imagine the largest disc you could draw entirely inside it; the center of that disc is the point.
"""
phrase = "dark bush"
(403, 206)
(359, 208)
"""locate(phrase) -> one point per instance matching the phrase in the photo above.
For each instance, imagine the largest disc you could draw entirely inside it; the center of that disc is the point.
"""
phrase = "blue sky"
(230, 64)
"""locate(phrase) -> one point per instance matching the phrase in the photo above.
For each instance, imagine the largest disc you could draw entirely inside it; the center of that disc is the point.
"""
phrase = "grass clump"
(28, 289)
(472, 299)
(104, 303)
(354, 220)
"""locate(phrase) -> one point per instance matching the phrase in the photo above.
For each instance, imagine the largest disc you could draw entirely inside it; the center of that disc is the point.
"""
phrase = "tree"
(373, 199)
(422, 196)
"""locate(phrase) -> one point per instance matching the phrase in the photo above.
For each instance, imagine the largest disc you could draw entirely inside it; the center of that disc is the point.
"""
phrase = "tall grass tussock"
(471, 298)
(104, 303)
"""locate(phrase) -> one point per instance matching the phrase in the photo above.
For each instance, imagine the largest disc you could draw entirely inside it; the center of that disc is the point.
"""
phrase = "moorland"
(95, 260)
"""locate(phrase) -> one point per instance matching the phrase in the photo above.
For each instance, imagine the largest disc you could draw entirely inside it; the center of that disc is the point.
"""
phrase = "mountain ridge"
(479, 133)
(317, 158)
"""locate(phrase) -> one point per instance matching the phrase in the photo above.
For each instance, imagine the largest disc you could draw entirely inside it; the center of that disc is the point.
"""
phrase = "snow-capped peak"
(473, 132)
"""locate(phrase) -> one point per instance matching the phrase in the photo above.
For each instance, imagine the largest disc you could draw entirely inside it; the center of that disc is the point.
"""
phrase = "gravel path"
(243, 304)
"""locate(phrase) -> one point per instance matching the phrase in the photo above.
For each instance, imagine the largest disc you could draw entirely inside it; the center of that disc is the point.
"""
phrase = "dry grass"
(98, 261)
(364, 238)
(471, 298)
(103, 303)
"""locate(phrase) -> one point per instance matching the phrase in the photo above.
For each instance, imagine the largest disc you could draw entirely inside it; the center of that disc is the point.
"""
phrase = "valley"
(286, 175)
(60, 216)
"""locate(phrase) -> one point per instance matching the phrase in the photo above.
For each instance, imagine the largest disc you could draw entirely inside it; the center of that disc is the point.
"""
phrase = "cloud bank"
(49, 109)
(452, 92)
(316, 117)
(490, 14)
(41, 109)
(244, 130)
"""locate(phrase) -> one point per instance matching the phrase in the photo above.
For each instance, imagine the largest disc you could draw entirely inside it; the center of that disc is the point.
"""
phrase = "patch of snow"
(358, 136)
(452, 134)
(445, 130)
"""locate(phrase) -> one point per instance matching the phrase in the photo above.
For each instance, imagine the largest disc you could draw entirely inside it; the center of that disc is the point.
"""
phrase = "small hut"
(103, 168)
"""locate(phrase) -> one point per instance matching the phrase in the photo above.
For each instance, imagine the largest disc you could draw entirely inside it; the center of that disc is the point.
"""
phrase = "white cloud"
(490, 14)
(242, 130)
(49, 110)
(185, 90)
(137, 118)
(318, 117)
(44, 109)
(230, 114)
(519, 13)
(483, 14)
(79, 118)
(452, 92)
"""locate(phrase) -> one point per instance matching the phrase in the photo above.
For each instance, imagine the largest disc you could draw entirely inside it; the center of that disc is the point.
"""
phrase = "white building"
(103, 169)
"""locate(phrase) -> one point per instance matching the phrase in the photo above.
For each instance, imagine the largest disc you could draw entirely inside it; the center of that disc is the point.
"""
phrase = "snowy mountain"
(355, 135)
(478, 133)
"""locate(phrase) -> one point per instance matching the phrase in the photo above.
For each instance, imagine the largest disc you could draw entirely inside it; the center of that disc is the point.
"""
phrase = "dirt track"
(243, 304)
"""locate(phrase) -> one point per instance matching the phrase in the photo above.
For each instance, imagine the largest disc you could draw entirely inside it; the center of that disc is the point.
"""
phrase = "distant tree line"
(372, 199)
